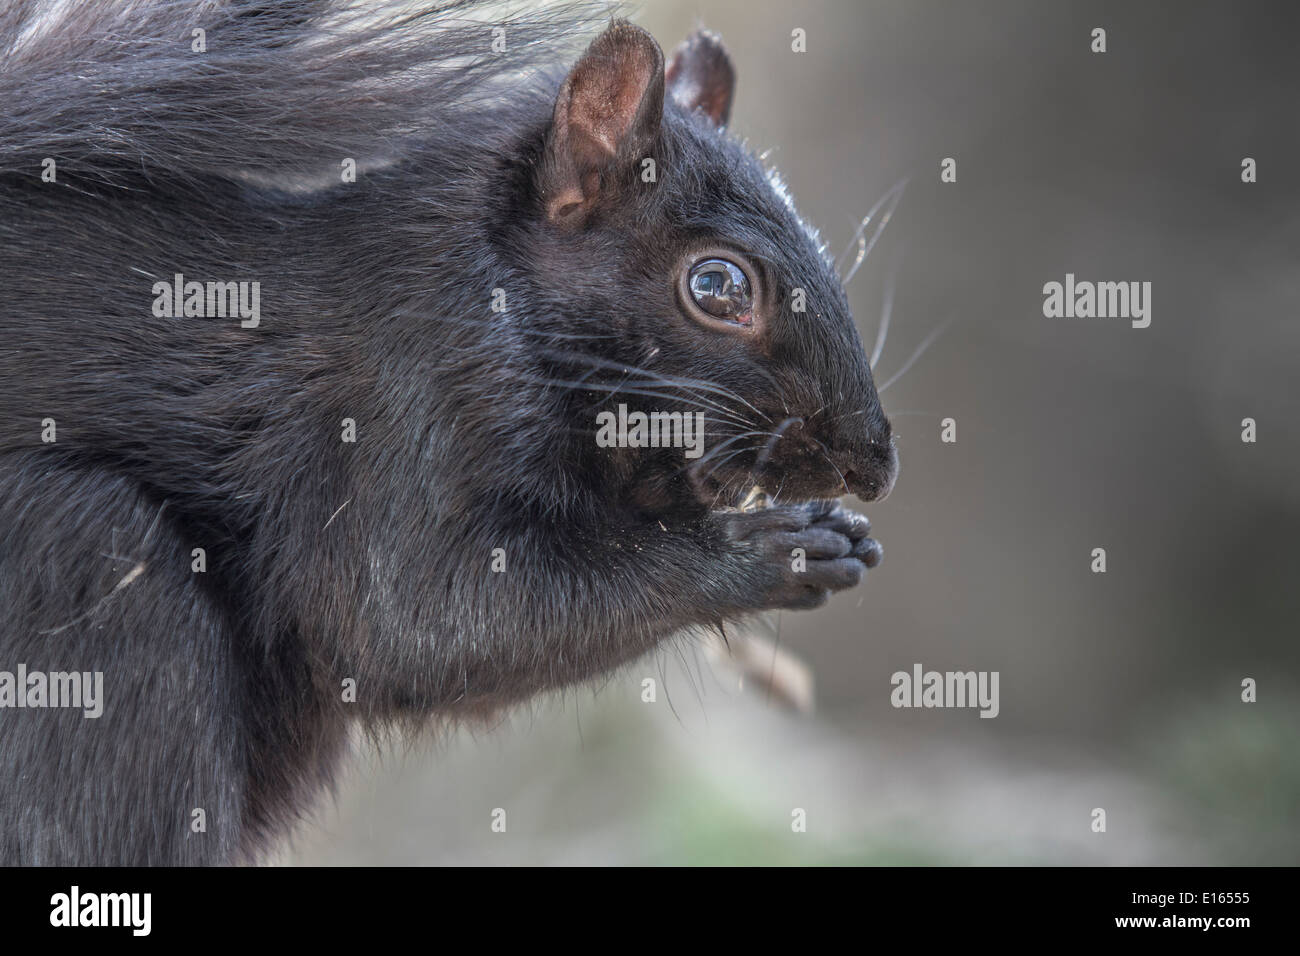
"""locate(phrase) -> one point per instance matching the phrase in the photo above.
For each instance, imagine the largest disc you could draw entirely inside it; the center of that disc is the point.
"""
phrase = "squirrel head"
(692, 286)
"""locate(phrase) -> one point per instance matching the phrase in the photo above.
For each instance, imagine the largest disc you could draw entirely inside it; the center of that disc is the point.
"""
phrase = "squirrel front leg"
(555, 611)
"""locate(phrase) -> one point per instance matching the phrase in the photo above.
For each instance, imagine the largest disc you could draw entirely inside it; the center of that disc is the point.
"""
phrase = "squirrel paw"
(803, 552)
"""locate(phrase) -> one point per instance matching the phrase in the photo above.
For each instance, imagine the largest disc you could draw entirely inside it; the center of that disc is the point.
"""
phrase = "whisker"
(920, 349)
(887, 310)
(696, 465)
(825, 453)
(494, 324)
(776, 437)
(838, 474)
(733, 454)
(658, 379)
(727, 416)
(892, 197)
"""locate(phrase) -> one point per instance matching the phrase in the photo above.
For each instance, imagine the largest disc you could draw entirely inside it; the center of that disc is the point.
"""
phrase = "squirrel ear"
(701, 77)
(609, 108)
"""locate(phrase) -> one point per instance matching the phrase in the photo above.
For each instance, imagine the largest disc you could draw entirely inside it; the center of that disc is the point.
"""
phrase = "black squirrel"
(384, 478)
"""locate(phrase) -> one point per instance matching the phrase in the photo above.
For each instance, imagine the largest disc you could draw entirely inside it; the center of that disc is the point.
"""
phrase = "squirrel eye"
(721, 289)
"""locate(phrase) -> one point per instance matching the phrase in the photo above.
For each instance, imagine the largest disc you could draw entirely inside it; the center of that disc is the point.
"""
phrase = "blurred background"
(1119, 690)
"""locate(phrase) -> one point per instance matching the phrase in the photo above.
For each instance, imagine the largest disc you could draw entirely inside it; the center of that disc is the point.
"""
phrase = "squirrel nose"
(870, 475)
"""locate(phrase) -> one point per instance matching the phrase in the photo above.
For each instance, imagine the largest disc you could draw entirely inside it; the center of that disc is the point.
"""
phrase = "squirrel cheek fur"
(373, 561)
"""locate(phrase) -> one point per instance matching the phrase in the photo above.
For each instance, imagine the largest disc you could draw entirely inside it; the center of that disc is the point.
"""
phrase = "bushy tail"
(273, 87)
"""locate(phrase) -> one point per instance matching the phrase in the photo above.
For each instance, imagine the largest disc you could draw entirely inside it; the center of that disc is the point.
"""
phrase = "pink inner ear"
(610, 105)
(607, 96)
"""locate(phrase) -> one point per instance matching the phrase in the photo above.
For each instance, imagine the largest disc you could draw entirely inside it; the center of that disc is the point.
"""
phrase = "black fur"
(373, 560)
